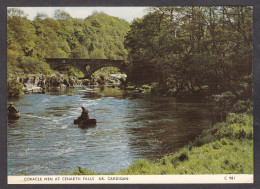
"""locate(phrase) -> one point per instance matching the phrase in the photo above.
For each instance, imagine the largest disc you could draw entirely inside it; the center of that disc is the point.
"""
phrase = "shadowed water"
(44, 141)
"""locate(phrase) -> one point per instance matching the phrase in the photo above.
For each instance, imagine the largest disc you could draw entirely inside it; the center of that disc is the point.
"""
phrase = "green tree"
(62, 15)
(22, 32)
(188, 48)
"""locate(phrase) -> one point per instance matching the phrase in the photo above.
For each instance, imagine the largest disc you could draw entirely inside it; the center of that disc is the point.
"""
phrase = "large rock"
(60, 80)
(74, 81)
(38, 83)
(29, 88)
(101, 80)
(56, 80)
(33, 84)
(93, 81)
(85, 81)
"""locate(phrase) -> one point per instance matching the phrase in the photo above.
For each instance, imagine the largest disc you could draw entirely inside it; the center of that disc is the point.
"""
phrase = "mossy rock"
(130, 88)
(146, 87)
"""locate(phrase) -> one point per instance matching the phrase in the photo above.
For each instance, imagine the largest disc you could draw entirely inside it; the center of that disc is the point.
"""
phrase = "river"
(44, 141)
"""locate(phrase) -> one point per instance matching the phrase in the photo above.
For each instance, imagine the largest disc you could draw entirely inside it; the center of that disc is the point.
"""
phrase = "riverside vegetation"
(99, 36)
(175, 51)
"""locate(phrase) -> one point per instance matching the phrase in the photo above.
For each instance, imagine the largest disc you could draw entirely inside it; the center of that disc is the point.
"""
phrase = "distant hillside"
(97, 36)
(106, 34)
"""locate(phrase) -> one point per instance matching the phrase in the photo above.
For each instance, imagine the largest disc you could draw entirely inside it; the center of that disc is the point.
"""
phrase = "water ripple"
(45, 140)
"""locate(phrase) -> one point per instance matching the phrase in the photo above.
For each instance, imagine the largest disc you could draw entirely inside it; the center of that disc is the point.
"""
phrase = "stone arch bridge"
(87, 66)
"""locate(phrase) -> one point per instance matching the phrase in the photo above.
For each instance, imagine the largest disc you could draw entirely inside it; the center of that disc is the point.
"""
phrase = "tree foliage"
(14, 88)
(98, 36)
(183, 49)
(194, 48)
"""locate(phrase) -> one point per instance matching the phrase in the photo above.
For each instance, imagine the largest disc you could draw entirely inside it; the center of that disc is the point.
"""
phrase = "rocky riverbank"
(109, 80)
(40, 83)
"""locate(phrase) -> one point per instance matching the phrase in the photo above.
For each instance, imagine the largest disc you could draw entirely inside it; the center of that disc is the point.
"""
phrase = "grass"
(227, 148)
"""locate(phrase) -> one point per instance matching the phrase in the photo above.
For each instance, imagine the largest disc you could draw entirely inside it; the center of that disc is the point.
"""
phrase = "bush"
(106, 71)
(12, 63)
(31, 65)
(14, 88)
(71, 71)
(184, 155)
(140, 167)
(145, 87)
(238, 126)
(242, 106)
(216, 145)
(154, 87)
(224, 141)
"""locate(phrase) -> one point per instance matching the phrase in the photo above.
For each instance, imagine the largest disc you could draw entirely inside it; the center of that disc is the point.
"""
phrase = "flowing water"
(44, 141)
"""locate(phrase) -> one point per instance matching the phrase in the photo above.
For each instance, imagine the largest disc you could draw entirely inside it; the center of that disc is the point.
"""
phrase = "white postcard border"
(133, 179)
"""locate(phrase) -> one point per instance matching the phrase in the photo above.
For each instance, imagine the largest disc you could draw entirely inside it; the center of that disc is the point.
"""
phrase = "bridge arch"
(87, 66)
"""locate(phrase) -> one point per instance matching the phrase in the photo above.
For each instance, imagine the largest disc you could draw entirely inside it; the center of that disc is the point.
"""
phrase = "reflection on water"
(45, 140)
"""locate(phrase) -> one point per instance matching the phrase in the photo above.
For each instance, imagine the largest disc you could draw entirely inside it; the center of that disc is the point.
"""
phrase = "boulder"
(37, 83)
(33, 84)
(85, 81)
(101, 80)
(29, 88)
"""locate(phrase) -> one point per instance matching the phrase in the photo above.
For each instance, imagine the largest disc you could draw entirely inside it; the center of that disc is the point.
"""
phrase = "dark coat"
(84, 113)
(12, 109)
